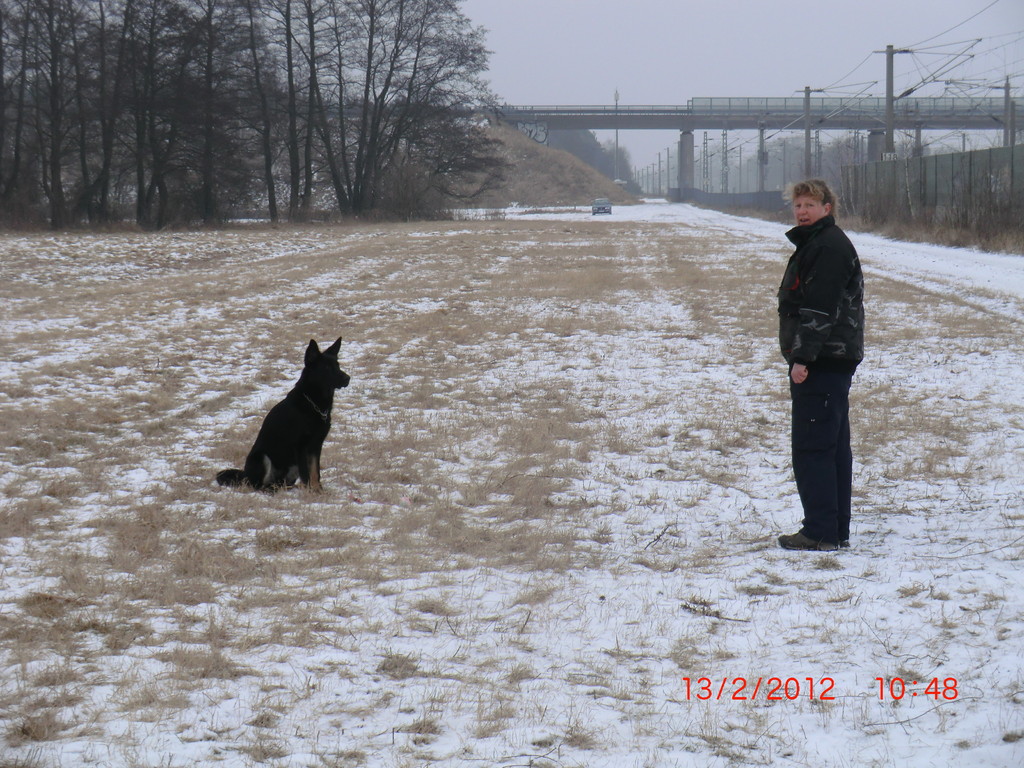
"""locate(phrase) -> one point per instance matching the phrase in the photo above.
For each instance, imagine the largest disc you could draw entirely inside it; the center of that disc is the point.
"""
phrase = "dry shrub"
(44, 724)
(434, 605)
(57, 676)
(201, 663)
(494, 717)
(124, 634)
(137, 539)
(44, 605)
(156, 585)
(20, 516)
(828, 563)
(150, 701)
(278, 539)
(579, 736)
(423, 729)
(520, 673)
(535, 595)
(398, 666)
(349, 758)
(265, 749)
(216, 561)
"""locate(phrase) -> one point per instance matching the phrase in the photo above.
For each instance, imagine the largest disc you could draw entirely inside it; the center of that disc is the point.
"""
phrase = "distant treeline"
(584, 145)
(176, 111)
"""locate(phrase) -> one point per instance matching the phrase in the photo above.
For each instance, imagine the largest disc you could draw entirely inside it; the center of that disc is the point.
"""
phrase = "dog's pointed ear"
(312, 351)
(334, 348)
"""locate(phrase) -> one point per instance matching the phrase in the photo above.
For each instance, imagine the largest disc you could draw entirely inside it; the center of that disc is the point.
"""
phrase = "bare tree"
(257, 53)
(51, 24)
(14, 68)
(99, 49)
(216, 136)
(418, 64)
(191, 109)
(283, 22)
(160, 51)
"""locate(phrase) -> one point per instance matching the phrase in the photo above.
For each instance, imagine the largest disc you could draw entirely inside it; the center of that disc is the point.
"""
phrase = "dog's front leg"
(314, 473)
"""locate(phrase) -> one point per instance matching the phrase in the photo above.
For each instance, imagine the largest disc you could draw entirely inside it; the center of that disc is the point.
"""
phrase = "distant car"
(601, 205)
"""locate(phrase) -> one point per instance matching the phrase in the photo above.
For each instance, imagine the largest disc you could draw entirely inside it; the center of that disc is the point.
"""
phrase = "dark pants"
(822, 459)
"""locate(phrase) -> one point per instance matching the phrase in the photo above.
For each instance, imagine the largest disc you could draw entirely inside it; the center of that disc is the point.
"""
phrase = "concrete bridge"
(825, 113)
(878, 116)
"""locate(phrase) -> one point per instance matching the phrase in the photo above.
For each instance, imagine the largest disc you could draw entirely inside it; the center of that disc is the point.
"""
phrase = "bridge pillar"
(685, 164)
(876, 145)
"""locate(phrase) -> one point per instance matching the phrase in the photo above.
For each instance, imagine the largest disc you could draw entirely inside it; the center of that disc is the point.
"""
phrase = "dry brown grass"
(1003, 240)
(398, 666)
(43, 724)
(493, 452)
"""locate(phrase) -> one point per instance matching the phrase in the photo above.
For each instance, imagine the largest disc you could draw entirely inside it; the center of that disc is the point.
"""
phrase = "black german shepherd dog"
(287, 448)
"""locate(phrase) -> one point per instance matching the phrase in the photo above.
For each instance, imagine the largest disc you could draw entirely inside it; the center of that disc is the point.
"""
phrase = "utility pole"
(890, 102)
(890, 106)
(616, 164)
(1013, 123)
(705, 170)
(668, 171)
(1008, 127)
(807, 131)
(762, 158)
(725, 160)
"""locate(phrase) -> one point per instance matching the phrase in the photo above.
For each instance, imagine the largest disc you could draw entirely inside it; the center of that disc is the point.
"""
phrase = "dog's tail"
(232, 477)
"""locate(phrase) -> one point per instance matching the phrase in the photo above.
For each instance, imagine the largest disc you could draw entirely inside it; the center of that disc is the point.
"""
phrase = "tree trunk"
(293, 117)
(207, 195)
(265, 121)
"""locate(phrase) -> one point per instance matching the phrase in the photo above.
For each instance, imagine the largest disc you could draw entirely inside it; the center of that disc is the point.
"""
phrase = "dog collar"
(325, 415)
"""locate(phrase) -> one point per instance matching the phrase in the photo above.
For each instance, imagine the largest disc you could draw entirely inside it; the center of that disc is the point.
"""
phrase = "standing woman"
(821, 333)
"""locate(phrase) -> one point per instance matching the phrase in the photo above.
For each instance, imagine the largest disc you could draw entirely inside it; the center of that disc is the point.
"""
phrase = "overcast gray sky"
(667, 51)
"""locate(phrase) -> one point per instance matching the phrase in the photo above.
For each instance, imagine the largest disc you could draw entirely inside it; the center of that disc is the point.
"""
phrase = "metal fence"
(758, 201)
(980, 191)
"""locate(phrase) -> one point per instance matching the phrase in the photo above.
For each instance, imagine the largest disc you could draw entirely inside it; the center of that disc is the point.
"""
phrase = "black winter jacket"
(821, 300)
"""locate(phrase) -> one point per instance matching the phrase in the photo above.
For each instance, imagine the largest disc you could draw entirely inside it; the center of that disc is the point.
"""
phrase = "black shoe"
(844, 544)
(799, 541)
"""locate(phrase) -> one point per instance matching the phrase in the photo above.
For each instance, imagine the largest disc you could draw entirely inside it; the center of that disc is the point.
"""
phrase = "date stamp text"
(810, 688)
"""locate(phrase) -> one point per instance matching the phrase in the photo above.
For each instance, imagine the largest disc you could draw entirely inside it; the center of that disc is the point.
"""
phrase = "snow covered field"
(551, 497)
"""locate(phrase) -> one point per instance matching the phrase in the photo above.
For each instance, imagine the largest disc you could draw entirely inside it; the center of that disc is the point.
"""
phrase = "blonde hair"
(817, 189)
